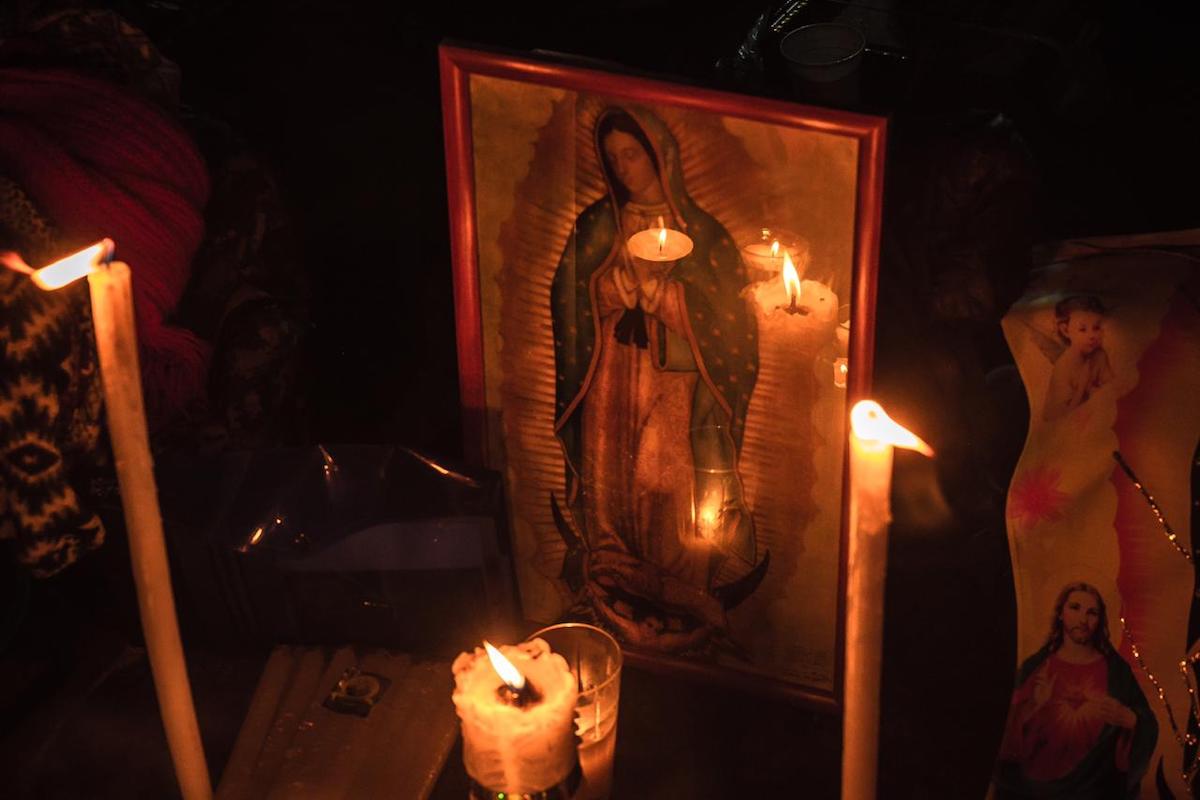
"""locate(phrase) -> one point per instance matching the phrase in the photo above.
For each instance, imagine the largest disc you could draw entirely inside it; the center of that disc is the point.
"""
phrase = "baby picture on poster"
(1081, 366)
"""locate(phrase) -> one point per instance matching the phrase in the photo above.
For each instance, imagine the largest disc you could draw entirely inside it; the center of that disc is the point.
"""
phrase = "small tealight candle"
(765, 253)
(517, 706)
(660, 244)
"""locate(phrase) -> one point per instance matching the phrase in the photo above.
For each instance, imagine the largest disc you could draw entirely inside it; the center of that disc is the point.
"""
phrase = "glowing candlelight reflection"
(708, 514)
(511, 676)
(841, 370)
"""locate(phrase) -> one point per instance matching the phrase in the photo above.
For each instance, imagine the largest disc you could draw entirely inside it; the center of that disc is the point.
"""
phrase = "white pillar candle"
(811, 305)
(512, 747)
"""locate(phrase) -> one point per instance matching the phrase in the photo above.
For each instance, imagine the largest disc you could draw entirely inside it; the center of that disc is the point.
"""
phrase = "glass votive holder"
(595, 659)
(823, 60)
(763, 254)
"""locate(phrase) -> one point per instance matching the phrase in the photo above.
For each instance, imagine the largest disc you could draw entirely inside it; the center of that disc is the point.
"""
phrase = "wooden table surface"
(684, 739)
(292, 746)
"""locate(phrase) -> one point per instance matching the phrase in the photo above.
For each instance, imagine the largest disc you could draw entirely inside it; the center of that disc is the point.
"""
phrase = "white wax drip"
(510, 748)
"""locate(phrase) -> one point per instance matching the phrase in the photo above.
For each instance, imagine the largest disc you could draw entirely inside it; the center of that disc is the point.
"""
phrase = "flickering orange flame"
(871, 423)
(504, 668)
(708, 514)
(775, 249)
(791, 278)
(73, 267)
(662, 239)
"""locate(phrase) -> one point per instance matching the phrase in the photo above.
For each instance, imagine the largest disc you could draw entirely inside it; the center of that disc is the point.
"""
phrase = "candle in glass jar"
(764, 254)
(517, 739)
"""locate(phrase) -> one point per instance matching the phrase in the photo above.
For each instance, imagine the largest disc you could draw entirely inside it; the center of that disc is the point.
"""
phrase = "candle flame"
(504, 668)
(870, 422)
(73, 267)
(841, 370)
(791, 278)
(775, 249)
(14, 262)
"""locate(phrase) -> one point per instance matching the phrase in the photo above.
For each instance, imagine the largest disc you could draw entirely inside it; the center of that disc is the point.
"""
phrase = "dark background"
(1090, 110)
(342, 99)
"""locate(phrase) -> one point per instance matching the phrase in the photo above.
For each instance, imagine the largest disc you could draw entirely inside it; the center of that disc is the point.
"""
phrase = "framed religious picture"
(664, 304)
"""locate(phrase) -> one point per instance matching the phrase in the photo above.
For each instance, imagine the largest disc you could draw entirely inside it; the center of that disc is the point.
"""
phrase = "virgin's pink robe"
(637, 466)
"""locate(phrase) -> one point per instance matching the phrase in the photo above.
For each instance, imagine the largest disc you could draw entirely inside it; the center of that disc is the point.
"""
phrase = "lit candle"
(765, 253)
(788, 295)
(116, 344)
(841, 370)
(517, 706)
(793, 287)
(660, 244)
(764, 256)
(873, 437)
(797, 326)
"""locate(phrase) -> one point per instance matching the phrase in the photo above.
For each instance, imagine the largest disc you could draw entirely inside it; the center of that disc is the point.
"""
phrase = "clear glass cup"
(595, 660)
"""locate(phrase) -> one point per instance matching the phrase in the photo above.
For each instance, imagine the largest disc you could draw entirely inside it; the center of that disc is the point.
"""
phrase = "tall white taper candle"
(873, 438)
(116, 342)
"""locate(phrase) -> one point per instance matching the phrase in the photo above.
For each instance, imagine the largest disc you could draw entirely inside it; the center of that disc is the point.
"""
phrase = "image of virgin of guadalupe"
(655, 366)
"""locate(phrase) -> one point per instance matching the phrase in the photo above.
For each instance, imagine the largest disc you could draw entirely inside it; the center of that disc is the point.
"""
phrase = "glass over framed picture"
(664, 304)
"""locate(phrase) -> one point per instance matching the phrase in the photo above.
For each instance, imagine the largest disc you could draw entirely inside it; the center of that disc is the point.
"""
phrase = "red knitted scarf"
(98, 161)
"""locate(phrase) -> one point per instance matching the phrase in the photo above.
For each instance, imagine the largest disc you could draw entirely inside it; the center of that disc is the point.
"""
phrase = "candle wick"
(527, 695)
(793, 308)
(107, 250)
